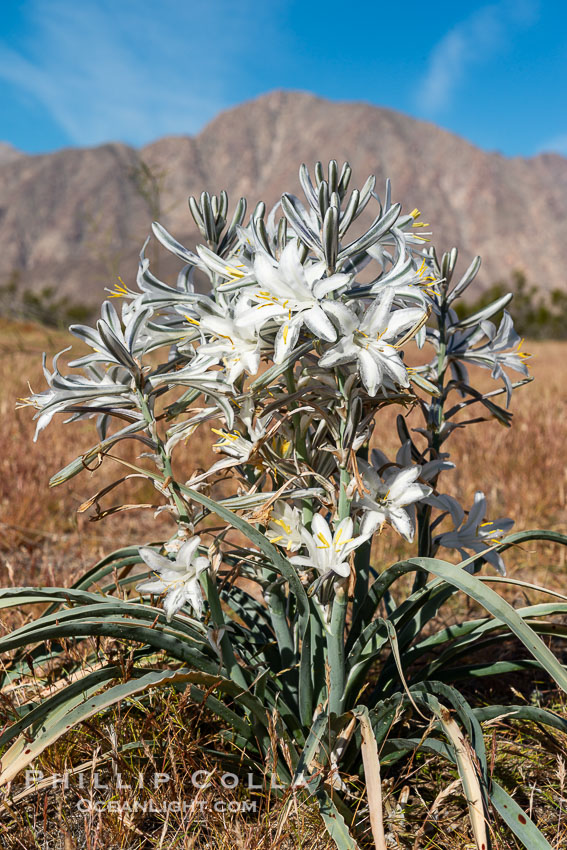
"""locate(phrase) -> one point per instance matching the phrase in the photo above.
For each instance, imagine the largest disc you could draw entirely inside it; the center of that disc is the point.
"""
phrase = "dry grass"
(423, 803)
(523, 472)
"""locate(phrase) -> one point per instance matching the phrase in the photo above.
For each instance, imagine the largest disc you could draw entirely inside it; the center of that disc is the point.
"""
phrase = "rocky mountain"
(75, 219)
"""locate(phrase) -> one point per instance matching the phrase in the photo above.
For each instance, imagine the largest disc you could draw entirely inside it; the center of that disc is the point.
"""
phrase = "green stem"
(172, 485)
(209, 582)
(344, 502)
(232, 667)
(424, 543)
(301, 448)
(336, 651)
(277, 608)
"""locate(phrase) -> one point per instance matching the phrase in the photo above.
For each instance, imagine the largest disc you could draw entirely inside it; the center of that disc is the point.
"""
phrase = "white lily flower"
(284, 526)
(233, 444)
(404, 459)
(238, 448)
(496, 354)
(499, 351)
(370, 341)
(473, 533)
(407, 279)
(328, 552)
(233, 268)
(390, 494)
(96, 389)
(294, 294)
(237, 342)
(178, 580)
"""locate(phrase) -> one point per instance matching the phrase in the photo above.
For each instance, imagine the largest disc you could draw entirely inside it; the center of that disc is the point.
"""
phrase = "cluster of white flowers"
(293, 336)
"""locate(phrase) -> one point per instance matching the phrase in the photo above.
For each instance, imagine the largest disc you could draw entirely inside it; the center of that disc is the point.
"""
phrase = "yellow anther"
(277, 539)
(325, 543)
(191, 320)
(120, 289)
(235, 272)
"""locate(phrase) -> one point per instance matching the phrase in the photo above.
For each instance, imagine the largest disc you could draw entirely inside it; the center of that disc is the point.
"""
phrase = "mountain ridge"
(75, 219)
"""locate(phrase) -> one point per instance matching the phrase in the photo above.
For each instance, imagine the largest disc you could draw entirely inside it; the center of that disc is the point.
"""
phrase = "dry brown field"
(522, 469)
(523, 472)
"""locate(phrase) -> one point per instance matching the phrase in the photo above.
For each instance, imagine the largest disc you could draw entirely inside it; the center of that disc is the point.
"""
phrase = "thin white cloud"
(557, 144)
(474, 40)
(131, 70)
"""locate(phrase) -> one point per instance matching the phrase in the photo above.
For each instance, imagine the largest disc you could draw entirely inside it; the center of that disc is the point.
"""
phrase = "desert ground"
(43, 540)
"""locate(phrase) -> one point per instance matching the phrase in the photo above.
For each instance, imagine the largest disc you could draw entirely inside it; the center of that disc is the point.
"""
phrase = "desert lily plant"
(286, 337)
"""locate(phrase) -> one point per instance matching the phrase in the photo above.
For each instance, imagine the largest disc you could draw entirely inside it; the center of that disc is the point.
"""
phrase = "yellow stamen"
(235, 272)
(120, 289)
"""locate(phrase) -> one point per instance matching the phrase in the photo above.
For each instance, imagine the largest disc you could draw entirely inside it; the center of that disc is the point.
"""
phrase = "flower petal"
(402, 522)
(156, 587)
(319, 323)
(174, 600)
(187, 551)
(342, 569)
(286, 337)
(154, 560)
(370, 372)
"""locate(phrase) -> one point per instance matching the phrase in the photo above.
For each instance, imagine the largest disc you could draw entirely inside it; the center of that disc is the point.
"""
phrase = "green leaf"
(283, 566)
(521, 712)
(518, 821)
(499, 608)
(335, 823)
(23, 752)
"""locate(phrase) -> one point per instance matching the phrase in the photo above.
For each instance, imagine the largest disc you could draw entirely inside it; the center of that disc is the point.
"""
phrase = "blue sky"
(83, 72)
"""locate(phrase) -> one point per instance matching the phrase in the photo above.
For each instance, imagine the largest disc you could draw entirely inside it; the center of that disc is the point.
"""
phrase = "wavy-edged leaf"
(500, 609)
(521, 825)
(335, 822)
(23, 752)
